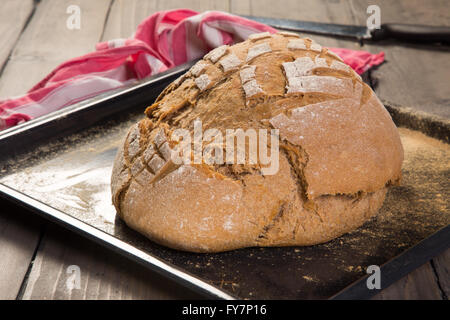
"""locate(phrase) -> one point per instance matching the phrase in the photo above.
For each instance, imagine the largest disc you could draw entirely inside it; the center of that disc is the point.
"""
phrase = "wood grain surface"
(18, 12)
(103, 274)
(413, 76)
(47, 42)
(36, 255)
(19, 237)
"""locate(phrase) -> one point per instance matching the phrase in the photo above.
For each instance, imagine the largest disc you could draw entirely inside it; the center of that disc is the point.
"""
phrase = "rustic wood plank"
(125, 15)
(197, 5)
(107, 276)
(441, 266)
(431, 12)
(44, 43)
(414, 76)
(103, 274)
(13, 17)
(421, 284)
(19, 235)
(47, 42)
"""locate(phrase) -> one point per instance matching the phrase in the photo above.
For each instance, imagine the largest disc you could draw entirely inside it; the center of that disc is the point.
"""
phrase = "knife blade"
(400, 32)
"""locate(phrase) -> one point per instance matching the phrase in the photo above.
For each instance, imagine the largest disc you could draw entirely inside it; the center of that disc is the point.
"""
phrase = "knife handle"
(412, 33)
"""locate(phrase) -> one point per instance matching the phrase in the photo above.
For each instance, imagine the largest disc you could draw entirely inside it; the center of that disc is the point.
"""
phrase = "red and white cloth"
(163, 40)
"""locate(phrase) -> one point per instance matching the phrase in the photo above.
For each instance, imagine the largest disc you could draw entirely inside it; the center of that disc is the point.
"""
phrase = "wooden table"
(35, 254)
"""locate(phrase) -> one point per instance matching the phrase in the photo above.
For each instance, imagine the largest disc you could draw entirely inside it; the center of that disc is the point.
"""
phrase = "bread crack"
(297, 159)
(119, 194)
(237, 172)
(298, 224)
(273, 221)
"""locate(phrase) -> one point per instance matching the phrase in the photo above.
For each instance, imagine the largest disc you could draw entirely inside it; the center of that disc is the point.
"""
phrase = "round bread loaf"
(339, 150)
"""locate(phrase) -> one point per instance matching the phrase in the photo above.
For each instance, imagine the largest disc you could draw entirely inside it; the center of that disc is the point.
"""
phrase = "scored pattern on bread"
(198, 68)
(206, 76)
(322, 73)
(158, 156)
(251, 88)
(217, 53)
(288, 34)
(259, 36)
(334, 55)
(311, 70)
(258, 50)
(133, 142)
(337, 65)
(305, 66)
(324, 84)
(248, 81)
(247, 73)
(324, 113)
(297, 44)
(229, 62)
(149, 164)
(315, 47)
(202, 82)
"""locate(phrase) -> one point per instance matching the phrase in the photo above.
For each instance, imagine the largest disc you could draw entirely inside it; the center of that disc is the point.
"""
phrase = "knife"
(392, 31)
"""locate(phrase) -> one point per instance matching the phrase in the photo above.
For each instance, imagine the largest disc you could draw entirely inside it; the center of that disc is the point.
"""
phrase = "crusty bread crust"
(339, 152)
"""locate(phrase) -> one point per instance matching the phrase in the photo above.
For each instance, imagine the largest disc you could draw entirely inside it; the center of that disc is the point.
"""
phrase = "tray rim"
(399, 266)
(150, 261)
(391, 271)
(395, 268)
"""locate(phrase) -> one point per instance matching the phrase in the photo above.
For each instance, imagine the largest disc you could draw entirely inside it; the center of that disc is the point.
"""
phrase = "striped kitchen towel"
(163, 40)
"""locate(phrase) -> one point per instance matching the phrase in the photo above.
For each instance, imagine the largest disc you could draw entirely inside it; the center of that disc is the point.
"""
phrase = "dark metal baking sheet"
(59, 167)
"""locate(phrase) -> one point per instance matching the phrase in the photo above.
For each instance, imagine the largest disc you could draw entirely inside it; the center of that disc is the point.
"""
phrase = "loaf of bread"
(339, 151)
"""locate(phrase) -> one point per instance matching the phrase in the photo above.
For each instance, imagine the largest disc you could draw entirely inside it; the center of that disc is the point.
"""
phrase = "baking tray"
(59, 167)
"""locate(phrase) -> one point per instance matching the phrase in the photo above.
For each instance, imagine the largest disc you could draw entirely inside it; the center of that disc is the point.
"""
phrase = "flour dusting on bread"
(339, 151)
